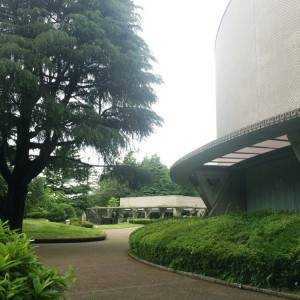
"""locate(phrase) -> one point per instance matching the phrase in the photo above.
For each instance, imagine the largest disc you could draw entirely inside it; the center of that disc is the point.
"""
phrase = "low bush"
(75, 221)
(140, 221)
(69, 210)
(38, 215)
(257, 248)
(22, 275)
(87, 224)
(57, 214)
(61, 212)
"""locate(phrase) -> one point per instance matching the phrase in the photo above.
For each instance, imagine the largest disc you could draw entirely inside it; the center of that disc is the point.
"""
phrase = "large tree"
(130, 178)
(72, 72)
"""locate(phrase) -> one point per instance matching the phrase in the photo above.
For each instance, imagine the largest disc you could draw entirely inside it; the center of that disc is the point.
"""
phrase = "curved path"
(106, 269)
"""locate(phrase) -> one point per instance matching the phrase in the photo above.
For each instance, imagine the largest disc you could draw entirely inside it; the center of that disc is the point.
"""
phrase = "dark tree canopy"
(72, 72)
(150, 177)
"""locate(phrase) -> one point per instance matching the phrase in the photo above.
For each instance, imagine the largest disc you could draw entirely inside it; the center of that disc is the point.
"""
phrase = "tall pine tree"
(72, 72)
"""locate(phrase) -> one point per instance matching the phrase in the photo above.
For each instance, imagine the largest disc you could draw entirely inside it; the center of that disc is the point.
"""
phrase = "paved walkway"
(106, 269)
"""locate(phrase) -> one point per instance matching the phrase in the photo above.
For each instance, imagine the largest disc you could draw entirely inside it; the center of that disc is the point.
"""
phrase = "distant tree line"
(65, 191)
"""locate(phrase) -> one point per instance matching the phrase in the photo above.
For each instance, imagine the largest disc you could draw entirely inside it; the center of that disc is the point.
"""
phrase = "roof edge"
(265, 129)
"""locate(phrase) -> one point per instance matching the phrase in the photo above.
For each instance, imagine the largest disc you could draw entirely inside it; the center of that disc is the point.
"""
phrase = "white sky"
(181, 35)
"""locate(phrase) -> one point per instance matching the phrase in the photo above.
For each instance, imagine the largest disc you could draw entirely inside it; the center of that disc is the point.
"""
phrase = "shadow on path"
(106, 269)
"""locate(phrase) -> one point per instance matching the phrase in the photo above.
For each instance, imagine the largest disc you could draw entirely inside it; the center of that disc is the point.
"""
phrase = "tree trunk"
(12, 206)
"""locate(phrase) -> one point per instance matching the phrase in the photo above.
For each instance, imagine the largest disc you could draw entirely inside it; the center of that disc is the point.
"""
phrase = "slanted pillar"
(100, 213)
(162, 211)
(200, 212)
(121, 212)
(294, 139)
(109, 212)
(147, 212)
(177, 211)
(95, 211)
(134, 213)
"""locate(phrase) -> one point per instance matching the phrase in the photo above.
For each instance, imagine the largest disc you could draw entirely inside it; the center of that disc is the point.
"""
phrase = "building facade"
(254, 162)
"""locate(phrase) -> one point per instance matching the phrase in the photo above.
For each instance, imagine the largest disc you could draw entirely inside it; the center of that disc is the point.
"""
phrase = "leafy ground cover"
(258, 248)
(22, 275)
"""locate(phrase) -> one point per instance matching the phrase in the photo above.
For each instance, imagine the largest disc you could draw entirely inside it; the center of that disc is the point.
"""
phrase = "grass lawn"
(42, 229)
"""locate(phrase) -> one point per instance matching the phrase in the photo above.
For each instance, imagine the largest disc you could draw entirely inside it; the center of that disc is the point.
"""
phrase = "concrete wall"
(274, 184)
(171, 200)
(257, 62)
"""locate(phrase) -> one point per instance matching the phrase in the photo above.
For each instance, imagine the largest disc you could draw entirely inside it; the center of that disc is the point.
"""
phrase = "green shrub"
(75, 221)
(69, 210)
(38, 215)
(22, 275)
(57, 214)
(258, 248)
(87, 224)
(61, 212)
(140, 221)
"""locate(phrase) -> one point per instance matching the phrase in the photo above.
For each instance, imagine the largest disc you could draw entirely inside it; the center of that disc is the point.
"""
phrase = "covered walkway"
(176, 211)
(106, 269)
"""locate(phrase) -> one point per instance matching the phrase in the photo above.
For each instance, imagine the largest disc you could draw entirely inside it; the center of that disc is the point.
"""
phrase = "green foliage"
(257, 248)
(142, 221)
(38, 215)
(57, 214)
(22, 275)
(72, 74)
(109, 187)
(75, 221)
(87, 224)
(61, 212)
(113, 202)
(161, 182)
(69, 210)
(39, 198)
(132, 179)
(68, 176)
(3, 186)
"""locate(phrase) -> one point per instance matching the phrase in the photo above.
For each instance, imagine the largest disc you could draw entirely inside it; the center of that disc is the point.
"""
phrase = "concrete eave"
(271, 128)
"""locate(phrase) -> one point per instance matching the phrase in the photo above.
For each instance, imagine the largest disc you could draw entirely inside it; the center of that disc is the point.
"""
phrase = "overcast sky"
(181, 35)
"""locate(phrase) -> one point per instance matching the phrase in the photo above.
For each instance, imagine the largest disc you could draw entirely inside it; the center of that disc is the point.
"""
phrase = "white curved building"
(253, 163)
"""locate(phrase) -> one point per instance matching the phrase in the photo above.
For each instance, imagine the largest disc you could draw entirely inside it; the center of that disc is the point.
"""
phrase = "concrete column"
(121, 211)
(200, 212)
(95, 211)
(162, 211)
(147, 213)
(134, 213)
(100, 213)
(109, 212)
(177, 211)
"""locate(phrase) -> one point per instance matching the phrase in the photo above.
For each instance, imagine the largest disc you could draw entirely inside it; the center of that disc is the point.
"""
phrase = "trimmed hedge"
(259, 248)
(143, 221)
(38, 215)
(22, 275)
(87, 224)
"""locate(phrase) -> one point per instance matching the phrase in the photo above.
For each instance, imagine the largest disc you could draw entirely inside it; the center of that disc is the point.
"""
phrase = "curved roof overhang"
(231, 150)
